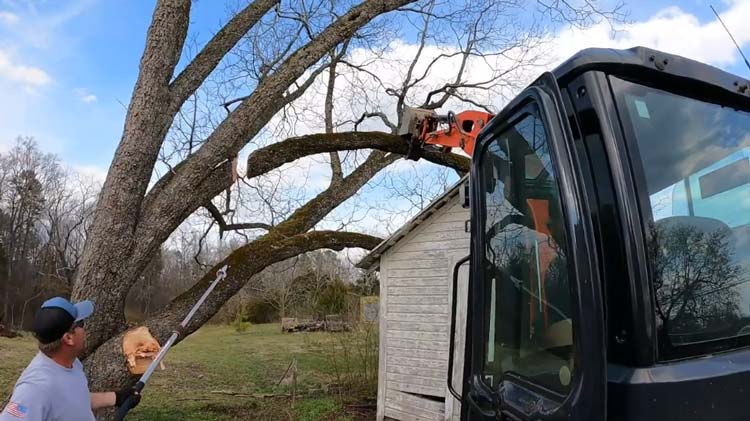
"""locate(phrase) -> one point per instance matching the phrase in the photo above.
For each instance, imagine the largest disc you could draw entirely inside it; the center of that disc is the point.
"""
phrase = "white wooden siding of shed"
(416, 277)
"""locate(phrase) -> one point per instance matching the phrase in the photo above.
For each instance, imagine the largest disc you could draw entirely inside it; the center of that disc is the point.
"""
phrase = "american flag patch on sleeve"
(16, 409)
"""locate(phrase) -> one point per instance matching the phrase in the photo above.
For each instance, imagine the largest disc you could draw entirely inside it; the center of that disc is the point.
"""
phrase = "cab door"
(536, 326)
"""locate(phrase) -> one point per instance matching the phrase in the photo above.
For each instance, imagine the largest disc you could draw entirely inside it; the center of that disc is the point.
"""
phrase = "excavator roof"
(645, 62)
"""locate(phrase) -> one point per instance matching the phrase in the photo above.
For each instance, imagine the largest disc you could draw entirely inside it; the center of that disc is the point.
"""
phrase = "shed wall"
(415, 304)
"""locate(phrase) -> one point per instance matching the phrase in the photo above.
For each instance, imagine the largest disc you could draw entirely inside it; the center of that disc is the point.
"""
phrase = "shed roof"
(372, 260)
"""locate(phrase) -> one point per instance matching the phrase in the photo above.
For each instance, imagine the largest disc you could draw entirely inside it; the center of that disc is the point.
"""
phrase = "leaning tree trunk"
(106, 367)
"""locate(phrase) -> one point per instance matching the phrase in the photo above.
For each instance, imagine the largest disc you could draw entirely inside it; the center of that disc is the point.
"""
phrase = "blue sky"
(67, 68)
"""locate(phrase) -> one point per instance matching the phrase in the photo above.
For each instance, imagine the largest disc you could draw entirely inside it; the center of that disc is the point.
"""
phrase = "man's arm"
(107, 399)
(102, 400)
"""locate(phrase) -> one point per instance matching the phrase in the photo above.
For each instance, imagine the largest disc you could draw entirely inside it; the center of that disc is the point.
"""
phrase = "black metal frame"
(516, 396)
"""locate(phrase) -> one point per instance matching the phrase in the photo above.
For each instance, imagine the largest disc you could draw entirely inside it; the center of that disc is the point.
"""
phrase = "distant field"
(217, 359)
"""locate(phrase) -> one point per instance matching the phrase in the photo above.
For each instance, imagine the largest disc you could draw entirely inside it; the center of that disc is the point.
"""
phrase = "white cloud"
(8, 18)
(27, 75)
(92, 172)
(671, 30)
(84, 95)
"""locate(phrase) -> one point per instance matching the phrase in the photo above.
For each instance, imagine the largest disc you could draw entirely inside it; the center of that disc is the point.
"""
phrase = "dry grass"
(218, 359)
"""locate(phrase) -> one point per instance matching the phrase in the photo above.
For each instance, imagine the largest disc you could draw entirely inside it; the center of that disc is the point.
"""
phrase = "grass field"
(202, 371)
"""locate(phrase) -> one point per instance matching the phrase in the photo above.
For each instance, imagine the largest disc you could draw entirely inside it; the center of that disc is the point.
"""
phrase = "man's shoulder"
(36, 374)
(35, 378)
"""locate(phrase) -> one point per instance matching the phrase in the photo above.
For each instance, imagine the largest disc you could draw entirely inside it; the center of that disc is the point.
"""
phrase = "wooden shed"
(416, 269)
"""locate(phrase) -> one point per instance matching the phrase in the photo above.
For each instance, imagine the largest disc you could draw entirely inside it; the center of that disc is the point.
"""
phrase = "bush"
(240, 325)
(353, 358)
(333, 299)
(260, 311)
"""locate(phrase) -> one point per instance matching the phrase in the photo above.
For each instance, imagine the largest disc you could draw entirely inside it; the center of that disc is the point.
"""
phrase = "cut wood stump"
(140, 349)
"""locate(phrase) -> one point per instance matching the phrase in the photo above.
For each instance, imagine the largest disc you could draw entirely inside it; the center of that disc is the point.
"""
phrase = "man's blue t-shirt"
(48, 391)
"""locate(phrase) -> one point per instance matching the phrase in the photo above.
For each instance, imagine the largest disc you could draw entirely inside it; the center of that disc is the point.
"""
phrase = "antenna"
(730, 36)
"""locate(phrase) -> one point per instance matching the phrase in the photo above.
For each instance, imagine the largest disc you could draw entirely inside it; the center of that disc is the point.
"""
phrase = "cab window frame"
(530, 107)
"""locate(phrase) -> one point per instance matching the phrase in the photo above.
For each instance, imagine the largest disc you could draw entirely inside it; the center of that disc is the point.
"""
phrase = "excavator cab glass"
(695, 160)
(610, 252)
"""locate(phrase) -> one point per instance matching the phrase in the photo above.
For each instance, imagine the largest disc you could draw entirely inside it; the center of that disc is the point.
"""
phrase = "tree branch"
(407, 79)
(248, 261)
(223, 226)
(273, 156)
(379, 115)
(191, 78)
(337, 173)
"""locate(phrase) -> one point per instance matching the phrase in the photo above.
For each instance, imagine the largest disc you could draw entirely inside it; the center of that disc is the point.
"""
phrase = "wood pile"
(332, 323)
(336, 323)
(293, 324)
(7, 332)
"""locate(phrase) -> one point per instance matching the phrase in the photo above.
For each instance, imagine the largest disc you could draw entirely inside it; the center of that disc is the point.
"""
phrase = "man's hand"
(122, 395)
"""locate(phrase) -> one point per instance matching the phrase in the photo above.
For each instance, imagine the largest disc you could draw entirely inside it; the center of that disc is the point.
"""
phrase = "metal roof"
(372, 260)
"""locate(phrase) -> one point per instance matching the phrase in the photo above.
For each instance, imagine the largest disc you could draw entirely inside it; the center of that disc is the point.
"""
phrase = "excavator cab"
(610, 246)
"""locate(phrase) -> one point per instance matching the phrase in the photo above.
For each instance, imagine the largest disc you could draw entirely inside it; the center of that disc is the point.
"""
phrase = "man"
(53, 386)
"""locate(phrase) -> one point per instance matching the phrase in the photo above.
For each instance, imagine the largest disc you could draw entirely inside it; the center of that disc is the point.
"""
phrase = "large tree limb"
(273, 156)
(118, 207)
(181, 192)
(107, 363)
(268, 98)
(191, 78)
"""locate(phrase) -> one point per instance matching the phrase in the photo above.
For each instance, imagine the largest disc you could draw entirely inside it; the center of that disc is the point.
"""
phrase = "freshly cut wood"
(140, 349)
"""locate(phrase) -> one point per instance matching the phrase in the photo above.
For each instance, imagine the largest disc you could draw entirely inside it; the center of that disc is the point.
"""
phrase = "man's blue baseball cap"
(57, 316)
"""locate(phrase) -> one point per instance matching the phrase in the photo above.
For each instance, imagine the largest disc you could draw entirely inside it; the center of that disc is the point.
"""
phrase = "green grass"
(217, 359)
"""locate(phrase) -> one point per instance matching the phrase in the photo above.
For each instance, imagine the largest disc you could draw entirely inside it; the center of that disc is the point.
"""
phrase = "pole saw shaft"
(129, 402)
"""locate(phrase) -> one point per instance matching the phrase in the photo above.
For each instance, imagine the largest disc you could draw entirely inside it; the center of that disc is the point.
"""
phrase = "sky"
(67, 68)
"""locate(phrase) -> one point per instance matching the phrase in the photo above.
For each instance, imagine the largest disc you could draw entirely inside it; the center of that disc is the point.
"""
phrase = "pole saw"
(129, 402)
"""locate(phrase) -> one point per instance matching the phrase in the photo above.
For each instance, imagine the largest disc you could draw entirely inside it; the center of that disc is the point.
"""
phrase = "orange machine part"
(462, 131)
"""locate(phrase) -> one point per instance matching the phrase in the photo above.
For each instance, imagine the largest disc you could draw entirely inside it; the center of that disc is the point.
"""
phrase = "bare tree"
(285, 48)
(29, 188)
(696, 280)
(67, 216)
(278, 285)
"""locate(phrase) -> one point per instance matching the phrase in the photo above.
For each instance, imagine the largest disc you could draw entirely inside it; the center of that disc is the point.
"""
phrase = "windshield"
(695, 157)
